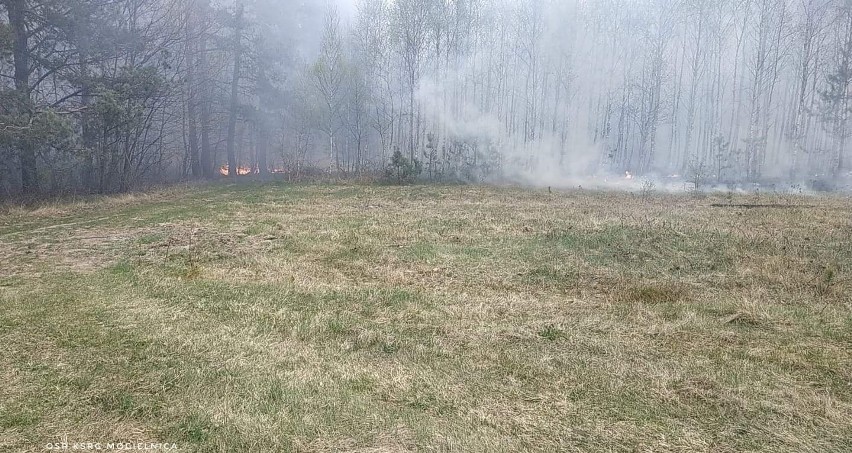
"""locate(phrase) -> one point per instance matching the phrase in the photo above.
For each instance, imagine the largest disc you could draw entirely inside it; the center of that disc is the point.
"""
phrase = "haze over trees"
(107, 95)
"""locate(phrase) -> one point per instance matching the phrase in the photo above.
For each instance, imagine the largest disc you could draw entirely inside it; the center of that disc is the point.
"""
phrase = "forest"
(106, 96)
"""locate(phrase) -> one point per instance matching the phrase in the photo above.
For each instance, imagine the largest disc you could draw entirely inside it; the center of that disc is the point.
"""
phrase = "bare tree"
(329, 72)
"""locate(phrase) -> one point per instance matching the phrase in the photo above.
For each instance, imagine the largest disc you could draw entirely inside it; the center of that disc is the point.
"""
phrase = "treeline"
(106, 95)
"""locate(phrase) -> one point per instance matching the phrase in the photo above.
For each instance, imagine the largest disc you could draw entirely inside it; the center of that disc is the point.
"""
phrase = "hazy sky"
(347, 7)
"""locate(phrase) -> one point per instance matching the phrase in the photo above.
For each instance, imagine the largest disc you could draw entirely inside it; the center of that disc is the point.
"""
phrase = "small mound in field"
(741, 319)
(651, 294)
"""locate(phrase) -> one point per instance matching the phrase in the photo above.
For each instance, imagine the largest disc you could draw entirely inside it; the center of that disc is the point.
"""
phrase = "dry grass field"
(475, 319)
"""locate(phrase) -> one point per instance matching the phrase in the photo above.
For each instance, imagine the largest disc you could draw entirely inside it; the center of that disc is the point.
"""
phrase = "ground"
(338, 318)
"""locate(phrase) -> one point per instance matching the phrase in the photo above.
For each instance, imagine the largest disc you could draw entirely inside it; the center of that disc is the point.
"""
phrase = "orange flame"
(241, 171)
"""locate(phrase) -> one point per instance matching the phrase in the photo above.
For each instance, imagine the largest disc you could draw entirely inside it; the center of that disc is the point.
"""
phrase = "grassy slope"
(276, 318)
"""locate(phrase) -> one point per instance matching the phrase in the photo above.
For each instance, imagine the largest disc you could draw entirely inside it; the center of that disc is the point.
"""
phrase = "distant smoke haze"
(724, 93)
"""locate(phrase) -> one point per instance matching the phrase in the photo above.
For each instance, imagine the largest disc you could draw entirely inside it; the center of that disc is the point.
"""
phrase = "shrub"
(402, 170)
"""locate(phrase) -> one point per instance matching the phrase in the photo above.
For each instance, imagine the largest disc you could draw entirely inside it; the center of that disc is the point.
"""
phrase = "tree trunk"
(90, 182)
(17, 10)
(411, 120)
(262, 150)
(235, 93)
(191, 94)
(206, 156)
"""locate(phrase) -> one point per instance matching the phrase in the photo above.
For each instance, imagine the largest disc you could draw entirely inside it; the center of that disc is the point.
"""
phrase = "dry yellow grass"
(332, 318)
